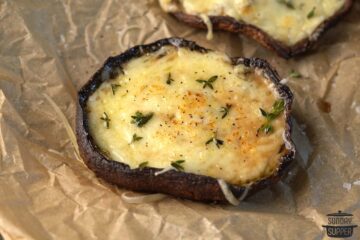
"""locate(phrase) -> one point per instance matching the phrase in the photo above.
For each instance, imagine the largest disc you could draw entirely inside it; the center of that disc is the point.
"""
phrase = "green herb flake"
(114, 87)
(277, 108)
(136, 138)
(294, 74)
(225, 110)
(265, 128)
(311, 13)
(106, 120)
(287, 3)
(216, 141)
(263, 112)
(139, 119)
(209, 82)
(169, 79)
(178, 164)
(143, 164)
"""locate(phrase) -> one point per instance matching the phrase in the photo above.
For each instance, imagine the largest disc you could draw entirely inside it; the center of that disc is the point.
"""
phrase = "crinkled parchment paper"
(51, 48)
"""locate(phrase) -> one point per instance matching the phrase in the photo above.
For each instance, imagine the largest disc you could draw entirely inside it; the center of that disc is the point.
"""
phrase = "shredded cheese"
(207, 21)
(144, 198)
(227, 193)
(164, 170)
(244, 194)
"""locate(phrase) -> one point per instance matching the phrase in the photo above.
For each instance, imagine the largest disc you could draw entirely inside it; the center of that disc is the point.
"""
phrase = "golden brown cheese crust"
(181, 184)
(282, 46)
(186, 114)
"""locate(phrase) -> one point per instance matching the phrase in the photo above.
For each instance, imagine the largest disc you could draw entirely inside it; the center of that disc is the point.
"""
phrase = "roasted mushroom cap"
(172, 117)
(286, 27)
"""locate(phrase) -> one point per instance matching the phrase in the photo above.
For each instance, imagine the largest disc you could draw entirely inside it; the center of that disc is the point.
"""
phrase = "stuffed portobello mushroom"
(288, 27)
(172, 117)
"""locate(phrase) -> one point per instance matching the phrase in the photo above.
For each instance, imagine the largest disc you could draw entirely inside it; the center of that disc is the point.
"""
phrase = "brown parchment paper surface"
(51, 48)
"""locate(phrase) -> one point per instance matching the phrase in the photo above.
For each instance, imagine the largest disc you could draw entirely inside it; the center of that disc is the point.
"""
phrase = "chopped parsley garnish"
(139, 119)
(216, 141)
(136, 138)
(287, 3)
(169, 79)
(114, 87)
(277, 108)
(209, 82)
(143, 164)
(311, 13)
(225, 110)
(294, 74)
(178, 164)
(106, 120)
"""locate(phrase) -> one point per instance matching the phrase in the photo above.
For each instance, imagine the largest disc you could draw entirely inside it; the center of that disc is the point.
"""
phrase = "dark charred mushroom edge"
(176, 183)
(230, 24)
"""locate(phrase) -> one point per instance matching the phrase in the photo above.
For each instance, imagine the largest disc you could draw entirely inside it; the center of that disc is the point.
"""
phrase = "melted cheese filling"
(288, 21)
(186, 115)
